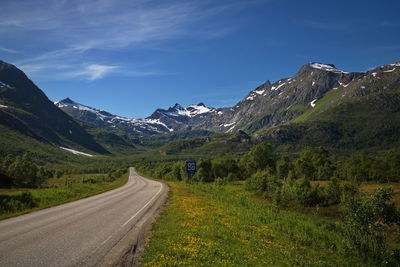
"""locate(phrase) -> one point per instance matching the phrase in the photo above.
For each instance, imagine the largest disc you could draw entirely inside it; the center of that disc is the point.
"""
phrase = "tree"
(261, 157)
(222, 167)
(204, 172)
(176, 171)
(315, 163)
(283, 166)
(23, 171)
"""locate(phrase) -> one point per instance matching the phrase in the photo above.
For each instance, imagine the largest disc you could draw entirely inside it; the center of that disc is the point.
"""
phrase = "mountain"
(318, 105)
(363, 113)
(103, 119)
(25, 109)
(175, 118)
(183, 118)
(270, 104)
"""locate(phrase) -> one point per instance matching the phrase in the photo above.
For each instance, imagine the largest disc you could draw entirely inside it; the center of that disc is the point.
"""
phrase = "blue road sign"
(191, 166)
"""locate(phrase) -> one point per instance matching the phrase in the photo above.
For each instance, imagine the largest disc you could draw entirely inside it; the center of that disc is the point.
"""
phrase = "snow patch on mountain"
(277, 87)
(326, 67)
(312, 103)
(344, 85)
(390, 70)
(3, 84)
(76, 152)
(229, 124)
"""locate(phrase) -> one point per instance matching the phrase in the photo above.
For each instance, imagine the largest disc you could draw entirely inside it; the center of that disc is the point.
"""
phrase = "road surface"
(79, 233)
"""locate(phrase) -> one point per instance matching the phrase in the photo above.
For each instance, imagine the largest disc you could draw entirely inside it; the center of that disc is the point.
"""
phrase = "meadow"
(213, 225)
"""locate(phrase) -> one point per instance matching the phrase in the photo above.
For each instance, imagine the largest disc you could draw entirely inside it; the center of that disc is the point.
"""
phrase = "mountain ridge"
(318, 105)
(268, 105)
(30, 112)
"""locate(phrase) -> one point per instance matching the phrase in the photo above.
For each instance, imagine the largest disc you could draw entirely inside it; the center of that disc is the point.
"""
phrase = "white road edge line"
(144, 206)
(106, 240)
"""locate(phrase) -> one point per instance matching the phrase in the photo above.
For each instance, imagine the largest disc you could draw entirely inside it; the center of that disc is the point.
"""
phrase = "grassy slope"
(65, 189)
(208, 225)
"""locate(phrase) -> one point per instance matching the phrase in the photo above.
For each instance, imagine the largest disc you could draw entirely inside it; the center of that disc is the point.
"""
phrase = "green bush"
(14, 203)
(263, 181)
(367, 222)
(23, 171)
(332, 193)
(301, 191)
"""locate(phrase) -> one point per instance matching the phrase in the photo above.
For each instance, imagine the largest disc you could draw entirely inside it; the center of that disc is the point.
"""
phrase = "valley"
(292, 159)
(199, 133)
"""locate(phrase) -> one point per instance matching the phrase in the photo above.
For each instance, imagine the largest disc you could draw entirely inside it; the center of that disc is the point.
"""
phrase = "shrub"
(15, 203)
(301, 191)
(333, 193)
(367, 222)
(263, 181)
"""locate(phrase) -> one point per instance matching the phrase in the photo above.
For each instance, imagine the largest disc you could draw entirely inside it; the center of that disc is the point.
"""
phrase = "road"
(79, 233)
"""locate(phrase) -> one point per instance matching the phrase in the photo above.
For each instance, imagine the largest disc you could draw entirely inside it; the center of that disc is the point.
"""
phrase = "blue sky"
(131, 57)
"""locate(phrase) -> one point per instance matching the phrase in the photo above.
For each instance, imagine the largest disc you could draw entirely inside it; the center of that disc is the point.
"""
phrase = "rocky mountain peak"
(65, 101)
(177, 106)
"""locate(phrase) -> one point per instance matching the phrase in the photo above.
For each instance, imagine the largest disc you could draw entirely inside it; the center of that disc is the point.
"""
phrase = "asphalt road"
(79, 233)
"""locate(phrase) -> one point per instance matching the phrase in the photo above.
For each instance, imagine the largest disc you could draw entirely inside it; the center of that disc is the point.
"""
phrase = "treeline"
(111, 176)
(313, 163)
(24, 172)
(21, 171)
(95, 166)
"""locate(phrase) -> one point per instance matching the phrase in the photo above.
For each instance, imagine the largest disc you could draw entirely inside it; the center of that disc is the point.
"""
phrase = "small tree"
(283, 167)
(261, 157)
(24, 171)
(367, 222)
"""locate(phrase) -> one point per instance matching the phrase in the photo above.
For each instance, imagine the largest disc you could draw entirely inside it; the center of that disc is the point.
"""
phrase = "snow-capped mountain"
(182, 118)
(270, 104)
(104, 119)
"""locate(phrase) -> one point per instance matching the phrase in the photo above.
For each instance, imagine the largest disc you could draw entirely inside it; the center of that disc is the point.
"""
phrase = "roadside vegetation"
(25, 186)
(213, 225)
(329, 193)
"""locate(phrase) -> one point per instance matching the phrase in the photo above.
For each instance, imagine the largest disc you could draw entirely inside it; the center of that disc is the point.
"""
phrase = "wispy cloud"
(12, 51)
(76, 29)
(93, 72)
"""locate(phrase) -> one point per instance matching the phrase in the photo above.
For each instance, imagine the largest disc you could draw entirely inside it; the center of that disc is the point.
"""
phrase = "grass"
(328, 97)
(62, 190)
(210, 225)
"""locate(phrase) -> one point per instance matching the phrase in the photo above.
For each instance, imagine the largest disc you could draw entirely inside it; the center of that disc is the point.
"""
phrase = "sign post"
(190, 169)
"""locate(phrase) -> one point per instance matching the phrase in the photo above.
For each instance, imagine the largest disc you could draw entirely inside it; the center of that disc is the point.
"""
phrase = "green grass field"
(61, 190)
(210, 225)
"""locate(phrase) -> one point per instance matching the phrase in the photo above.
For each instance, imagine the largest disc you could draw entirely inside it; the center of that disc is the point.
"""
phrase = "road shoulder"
(130, 248)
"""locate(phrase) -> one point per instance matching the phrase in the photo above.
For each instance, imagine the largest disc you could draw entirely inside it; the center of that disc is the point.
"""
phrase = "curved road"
(79, 233)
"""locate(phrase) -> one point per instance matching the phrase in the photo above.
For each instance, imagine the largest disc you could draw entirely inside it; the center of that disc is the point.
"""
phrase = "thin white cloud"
(93, 72)
(12, 51)
(89, 72)
(78, 30)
